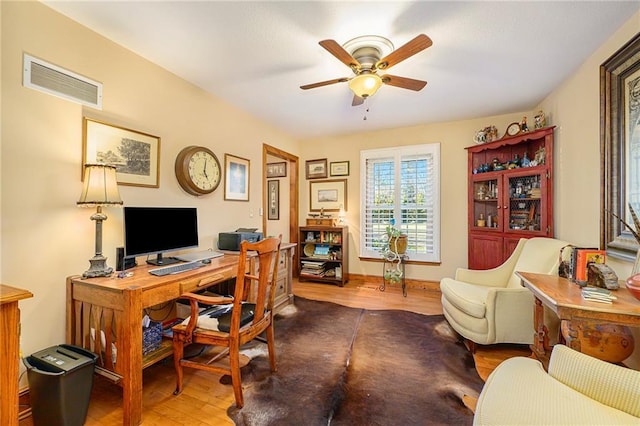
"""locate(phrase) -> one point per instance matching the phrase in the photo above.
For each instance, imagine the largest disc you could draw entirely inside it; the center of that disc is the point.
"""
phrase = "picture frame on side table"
(273, 194)
(620, 147)
(277, 169)
(339, 168)
(328, 195)
(236, 178)
(135, 154)
(316, 169)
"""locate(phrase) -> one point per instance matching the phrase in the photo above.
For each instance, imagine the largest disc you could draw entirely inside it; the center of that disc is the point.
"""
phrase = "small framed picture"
(316, 169)
(273, 194)
(339, 168)
(135, 154)
(236, 178)
(328, 195)
(277, 170)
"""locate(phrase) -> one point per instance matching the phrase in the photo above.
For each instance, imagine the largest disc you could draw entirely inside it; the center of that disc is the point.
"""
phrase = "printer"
(231, 240)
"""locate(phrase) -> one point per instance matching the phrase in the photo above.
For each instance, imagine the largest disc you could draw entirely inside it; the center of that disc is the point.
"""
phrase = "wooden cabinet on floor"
(510, 195)
(324, 254)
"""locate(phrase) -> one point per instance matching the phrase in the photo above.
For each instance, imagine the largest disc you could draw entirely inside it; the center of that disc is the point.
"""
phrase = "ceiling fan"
(366, 56)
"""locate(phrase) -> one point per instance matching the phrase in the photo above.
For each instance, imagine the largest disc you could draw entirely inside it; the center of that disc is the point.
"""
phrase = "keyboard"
(198, 255)
(175, 269)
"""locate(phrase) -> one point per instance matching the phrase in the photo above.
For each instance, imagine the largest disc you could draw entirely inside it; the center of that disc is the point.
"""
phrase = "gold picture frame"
(339, 168)
(236, 178)
(328, 195)
(135, 154)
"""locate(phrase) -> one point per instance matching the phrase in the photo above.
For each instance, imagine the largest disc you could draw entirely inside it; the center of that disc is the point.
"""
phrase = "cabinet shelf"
(506, 205)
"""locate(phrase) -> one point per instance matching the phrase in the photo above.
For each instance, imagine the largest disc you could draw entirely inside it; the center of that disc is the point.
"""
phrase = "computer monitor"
(158, 230)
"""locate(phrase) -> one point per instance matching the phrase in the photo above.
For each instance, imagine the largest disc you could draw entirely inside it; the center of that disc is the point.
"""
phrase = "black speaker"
(123, 263)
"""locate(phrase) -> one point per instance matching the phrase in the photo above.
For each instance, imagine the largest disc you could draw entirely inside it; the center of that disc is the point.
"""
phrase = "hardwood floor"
(204, 400)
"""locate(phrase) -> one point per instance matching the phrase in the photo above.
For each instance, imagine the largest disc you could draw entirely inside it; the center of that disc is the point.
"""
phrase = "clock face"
(513, 129)
(198, 170)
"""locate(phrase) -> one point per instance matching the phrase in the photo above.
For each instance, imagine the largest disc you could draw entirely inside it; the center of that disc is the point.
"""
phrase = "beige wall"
(45, 237)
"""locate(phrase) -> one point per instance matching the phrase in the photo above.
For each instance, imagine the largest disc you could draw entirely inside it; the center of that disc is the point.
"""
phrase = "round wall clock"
(513, 129)
(198, 170)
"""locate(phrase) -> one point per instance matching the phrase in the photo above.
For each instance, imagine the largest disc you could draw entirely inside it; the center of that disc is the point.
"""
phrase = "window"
(402, 183)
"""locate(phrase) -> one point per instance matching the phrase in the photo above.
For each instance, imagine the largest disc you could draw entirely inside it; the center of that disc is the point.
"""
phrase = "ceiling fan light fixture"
(365, 85)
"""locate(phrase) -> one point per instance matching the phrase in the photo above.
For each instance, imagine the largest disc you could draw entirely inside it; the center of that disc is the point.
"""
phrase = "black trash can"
(60, 381)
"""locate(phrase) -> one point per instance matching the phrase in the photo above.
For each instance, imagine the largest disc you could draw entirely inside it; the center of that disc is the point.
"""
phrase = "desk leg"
(130, 349)
(540, 338)
(9, 350)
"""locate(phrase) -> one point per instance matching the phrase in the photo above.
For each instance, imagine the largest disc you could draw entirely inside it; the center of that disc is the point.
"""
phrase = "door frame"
(293, 174)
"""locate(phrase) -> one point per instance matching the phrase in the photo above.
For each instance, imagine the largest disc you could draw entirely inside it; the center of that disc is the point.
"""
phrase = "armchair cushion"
(218, 318)
(520, 392)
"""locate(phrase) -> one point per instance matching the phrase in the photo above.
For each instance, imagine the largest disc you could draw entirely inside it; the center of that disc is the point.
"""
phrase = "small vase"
(398, 245)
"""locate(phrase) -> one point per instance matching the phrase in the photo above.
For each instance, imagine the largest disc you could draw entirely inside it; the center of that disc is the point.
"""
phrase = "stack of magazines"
(597, 294)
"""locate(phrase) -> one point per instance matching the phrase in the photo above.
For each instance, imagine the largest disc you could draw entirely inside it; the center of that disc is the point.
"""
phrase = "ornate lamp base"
(98, 268)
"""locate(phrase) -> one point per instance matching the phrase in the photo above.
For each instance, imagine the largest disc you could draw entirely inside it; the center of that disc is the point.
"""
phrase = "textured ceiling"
(487, 58)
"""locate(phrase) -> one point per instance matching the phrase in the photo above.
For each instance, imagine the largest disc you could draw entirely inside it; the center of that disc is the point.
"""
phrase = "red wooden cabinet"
(510, 195)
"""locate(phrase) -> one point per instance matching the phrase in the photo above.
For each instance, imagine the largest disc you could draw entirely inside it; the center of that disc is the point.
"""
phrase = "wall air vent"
(49, 78)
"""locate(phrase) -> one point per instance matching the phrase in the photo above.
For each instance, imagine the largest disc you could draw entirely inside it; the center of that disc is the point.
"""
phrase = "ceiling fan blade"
(324, 83)
(403, 82)
(338, 51)
(412, 47)
(357, 100)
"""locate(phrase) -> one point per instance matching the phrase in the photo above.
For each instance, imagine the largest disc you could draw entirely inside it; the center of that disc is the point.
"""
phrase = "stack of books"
(597, 294)
(310, 267)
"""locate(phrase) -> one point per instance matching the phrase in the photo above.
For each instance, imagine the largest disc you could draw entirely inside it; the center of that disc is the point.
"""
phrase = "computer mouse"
(206, 261)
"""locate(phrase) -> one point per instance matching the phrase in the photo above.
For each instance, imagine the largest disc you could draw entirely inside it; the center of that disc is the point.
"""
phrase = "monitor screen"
(158, 230)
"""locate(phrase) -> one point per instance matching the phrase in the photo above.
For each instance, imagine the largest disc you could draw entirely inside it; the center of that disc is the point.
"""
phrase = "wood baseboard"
(410, 283)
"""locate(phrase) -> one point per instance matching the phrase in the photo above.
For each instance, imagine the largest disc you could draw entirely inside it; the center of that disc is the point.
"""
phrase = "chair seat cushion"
(468, 298)
(218, 317)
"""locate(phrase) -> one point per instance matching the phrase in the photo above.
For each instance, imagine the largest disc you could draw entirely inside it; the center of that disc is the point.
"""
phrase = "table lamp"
(100, 189)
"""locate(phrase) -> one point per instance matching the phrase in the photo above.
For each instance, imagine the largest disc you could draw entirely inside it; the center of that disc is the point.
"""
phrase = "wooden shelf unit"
(515, 202)
(324, 254)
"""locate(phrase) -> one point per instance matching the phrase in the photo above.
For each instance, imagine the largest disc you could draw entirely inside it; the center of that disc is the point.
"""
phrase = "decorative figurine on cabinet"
(523, 125)
(539, 120)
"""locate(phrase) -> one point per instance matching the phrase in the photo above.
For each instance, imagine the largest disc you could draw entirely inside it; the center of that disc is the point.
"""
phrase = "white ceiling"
(487, 58)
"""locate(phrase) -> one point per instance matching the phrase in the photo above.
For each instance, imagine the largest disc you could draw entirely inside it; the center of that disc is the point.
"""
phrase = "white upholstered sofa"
(491, 306)
(577, 390)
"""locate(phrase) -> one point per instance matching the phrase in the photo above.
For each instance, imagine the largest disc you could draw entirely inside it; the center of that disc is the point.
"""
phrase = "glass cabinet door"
(526, 202)
(486, 213)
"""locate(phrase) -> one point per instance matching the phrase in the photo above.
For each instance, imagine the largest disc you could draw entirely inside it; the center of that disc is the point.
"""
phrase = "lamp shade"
(100, 186)
(365, 85)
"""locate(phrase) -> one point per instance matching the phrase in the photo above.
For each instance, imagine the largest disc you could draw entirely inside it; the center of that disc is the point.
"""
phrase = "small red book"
(584, 256)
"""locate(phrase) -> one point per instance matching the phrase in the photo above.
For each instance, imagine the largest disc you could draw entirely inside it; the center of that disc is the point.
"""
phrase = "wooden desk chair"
(242, 323)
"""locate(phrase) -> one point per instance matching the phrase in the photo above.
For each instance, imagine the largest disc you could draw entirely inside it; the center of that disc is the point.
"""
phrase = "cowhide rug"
(346, 366)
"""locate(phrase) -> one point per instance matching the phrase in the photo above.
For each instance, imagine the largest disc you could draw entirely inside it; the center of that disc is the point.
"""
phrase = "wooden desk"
(565, 299)
(10, 351)
(114, 306)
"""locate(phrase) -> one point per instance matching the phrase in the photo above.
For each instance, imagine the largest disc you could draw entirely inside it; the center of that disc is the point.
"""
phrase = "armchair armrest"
(610, 384)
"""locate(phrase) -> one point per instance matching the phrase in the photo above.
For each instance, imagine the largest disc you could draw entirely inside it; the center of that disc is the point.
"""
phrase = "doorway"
(285, 218)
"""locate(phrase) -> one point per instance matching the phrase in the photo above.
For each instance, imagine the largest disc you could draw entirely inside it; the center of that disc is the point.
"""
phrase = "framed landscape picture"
(236, 178)
(339, 168)
(316, 169)
(328, 195)
(135, 154)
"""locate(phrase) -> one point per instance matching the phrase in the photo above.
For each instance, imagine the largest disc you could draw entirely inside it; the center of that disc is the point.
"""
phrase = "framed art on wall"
(277, 169)
(136, 155)
(328, 195)
(236, 178)
(339, 168)
(620, 147)
(273, 194)
(316, 169)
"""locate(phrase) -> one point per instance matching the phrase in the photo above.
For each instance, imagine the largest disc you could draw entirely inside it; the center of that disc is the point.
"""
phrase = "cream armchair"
(578, 390)
(490, 306)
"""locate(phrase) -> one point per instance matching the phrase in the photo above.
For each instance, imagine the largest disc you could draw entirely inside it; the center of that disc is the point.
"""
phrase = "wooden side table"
(10, 351)
(565, 299)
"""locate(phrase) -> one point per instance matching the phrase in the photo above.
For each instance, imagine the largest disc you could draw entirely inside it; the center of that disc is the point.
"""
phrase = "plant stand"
(388, 263)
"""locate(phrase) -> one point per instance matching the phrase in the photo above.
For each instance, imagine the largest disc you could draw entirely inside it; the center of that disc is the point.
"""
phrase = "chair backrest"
(539, 255)
(262, 286)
